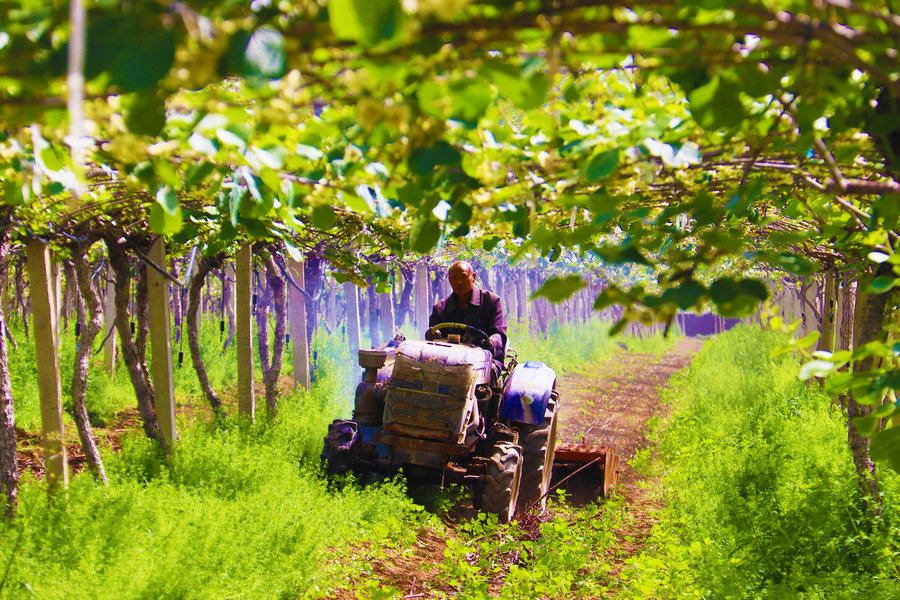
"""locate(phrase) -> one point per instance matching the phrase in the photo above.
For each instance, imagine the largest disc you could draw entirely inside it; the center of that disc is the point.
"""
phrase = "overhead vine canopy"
(674, 135)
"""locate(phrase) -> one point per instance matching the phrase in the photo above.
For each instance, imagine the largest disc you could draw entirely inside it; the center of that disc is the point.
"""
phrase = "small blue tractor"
(436, 404)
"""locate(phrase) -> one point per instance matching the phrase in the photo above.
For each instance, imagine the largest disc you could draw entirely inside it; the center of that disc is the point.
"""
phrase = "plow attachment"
(585, 471)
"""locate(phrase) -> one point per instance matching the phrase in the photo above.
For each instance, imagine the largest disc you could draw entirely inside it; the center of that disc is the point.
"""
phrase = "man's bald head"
(462, 279)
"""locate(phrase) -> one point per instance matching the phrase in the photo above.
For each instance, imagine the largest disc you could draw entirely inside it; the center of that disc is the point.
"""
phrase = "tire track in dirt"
(609, 402)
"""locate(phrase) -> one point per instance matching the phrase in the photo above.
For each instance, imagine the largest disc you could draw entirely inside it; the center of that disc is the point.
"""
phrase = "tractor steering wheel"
(480, 338)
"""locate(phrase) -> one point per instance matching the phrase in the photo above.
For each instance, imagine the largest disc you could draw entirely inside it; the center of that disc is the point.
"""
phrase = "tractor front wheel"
(502, 480)
(336, 457)
(537, 442)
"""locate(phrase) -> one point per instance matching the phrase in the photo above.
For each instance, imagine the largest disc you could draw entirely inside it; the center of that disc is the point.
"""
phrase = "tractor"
(435, 404)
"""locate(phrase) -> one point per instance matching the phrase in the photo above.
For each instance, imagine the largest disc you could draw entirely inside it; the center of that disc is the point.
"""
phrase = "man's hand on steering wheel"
(475, 336)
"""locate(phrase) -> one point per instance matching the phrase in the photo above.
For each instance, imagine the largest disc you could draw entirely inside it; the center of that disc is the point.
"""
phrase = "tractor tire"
(336, 457)
(538, 442)
(501, 481)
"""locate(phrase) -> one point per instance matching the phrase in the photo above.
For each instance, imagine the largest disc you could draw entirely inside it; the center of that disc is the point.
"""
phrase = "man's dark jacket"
(483, 311)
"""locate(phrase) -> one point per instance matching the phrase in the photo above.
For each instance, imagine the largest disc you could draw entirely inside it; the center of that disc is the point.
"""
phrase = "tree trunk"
(204, 266)
(9, 478)
(21, 295)
(177, 303)
(134, 350)
(228, 301)
(261, 307)
(403, 306)
(271, 371)
(80, 271)
(869, 327)
(297, 309)
(314, 282)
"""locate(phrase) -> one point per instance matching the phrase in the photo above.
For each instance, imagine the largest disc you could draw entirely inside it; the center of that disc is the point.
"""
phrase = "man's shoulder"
(441, 304)
(489, 297)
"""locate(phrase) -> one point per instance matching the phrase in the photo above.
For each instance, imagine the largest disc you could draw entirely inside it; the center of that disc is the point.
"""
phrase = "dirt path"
(607, 402)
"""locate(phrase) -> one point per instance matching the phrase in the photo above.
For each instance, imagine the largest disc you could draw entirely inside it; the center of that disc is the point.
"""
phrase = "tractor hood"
(449, 355)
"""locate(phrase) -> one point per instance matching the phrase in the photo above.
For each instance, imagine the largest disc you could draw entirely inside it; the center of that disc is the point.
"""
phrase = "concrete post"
(49, 385)
(161, 341)
(351, 296)
(421, 292)
(243, 295)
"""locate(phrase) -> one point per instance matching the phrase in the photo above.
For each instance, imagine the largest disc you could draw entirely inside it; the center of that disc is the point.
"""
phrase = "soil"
(609, 403)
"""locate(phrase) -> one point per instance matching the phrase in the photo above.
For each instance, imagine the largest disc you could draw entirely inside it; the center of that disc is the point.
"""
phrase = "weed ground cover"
(238, 507)
(760, 488)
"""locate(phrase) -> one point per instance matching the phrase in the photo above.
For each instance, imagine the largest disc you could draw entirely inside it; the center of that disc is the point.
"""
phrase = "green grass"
(761, 491)
(238, 510)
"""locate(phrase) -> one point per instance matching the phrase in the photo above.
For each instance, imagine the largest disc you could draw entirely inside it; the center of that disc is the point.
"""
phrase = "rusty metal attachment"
(585, 470)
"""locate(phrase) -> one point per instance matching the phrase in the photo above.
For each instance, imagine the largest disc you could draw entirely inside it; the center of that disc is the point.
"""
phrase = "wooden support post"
(421, 292)
(161, 342)
(243, 295)
(45, 346)
(297, 318)
(109, 324)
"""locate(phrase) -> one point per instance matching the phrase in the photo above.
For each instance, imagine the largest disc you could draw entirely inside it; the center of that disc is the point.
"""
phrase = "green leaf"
(618, 326)
(808, 340)
(886, 447)
(716, 105)
(323, 216)
(867, 425)
(145, 113)
(557, 289)
(526, 88)
(198, 172)
(165, 212)
(368, 22)
(355, 203)
(423, 161)
(816, 368)
(881, 284)
(685, 296)
(840, 383)
(424, 234)
(490, 243)
(257, 55)
(790, 263)
(737, 299)
(600, 166)
(52, 158)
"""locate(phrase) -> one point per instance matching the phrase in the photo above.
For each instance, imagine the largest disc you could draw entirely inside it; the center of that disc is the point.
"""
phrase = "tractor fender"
(527, 393)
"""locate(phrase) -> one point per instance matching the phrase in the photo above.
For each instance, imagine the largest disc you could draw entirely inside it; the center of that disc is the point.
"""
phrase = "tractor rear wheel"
(502, 480)
(537, 442)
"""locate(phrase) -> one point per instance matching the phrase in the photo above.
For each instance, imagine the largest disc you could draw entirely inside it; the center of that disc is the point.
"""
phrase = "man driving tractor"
(472, 306)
